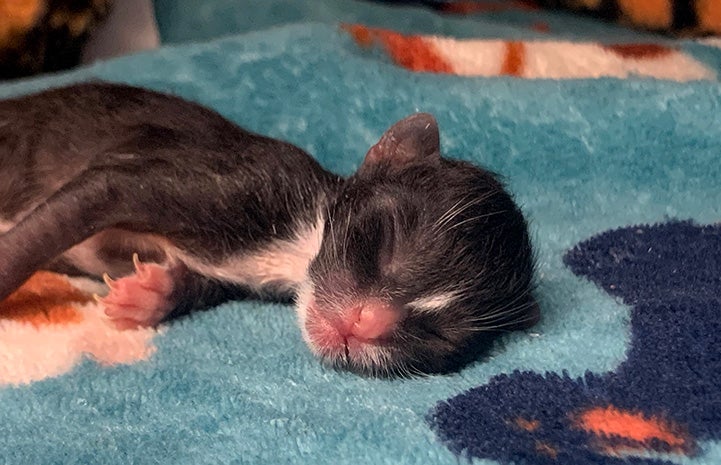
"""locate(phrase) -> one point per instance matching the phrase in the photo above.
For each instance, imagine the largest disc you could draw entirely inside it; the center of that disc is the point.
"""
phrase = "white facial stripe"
(373, 357)
(433, 303)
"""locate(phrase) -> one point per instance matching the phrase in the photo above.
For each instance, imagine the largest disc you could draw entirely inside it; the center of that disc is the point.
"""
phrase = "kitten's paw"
(140, 299)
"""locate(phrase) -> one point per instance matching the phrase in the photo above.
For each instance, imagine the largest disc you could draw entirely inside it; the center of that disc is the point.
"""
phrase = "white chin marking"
(372, 357)
(302, 300)
(433, 303)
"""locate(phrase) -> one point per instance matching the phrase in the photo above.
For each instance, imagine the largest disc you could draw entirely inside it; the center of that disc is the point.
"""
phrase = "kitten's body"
(407, 266)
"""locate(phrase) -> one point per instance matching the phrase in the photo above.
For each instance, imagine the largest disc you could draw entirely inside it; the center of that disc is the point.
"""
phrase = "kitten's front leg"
(156, 292)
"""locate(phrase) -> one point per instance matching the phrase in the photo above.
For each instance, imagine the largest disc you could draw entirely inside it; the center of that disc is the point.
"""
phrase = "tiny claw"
(97, 298)
(140, 269)
(136, 261)
(108, 280)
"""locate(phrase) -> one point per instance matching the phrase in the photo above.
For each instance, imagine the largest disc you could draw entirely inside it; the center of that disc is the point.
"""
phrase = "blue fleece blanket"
(610, 141)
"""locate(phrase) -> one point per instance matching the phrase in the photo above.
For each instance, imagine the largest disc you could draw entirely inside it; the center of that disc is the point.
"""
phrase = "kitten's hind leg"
(97, 199)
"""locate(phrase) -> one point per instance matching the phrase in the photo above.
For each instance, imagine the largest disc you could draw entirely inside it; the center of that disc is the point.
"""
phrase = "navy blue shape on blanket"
(660, 402)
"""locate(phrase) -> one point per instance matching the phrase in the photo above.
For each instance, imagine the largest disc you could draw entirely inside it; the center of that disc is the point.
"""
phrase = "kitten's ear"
(410, 139)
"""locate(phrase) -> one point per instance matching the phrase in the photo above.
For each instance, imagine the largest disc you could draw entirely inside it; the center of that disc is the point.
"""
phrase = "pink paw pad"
(140, 299)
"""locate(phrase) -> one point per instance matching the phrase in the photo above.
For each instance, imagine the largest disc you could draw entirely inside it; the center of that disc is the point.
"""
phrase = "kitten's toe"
(141, 299)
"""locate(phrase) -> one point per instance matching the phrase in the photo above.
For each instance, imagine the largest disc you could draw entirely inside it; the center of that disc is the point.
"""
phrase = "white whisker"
(475, 218)
(457, 210)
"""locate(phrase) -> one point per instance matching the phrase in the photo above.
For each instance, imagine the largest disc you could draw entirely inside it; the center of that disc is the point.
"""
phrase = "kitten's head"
(423, 260)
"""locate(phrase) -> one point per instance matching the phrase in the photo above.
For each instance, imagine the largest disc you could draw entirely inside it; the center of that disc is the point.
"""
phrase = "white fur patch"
(283, 266)
(434, 303)
(84, 256)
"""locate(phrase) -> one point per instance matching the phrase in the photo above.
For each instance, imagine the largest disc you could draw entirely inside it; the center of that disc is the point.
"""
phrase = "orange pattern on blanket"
(513, 59)
(540, 59)
(46, 298)
(639, 51)
(412, 52)
(620, 431)
(527, 425)
(52, 323)
(546, 449)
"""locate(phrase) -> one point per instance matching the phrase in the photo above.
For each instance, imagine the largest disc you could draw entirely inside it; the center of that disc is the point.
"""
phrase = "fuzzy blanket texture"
(610, 140)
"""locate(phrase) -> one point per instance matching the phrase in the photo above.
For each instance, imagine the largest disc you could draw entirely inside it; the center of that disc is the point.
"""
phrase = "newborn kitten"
(409, 266)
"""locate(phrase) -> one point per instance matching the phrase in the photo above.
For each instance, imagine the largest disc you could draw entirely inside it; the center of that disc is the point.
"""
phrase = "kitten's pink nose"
(373, 320)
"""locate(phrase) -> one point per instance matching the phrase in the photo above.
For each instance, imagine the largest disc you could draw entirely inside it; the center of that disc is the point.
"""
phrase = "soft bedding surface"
(608, 138)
